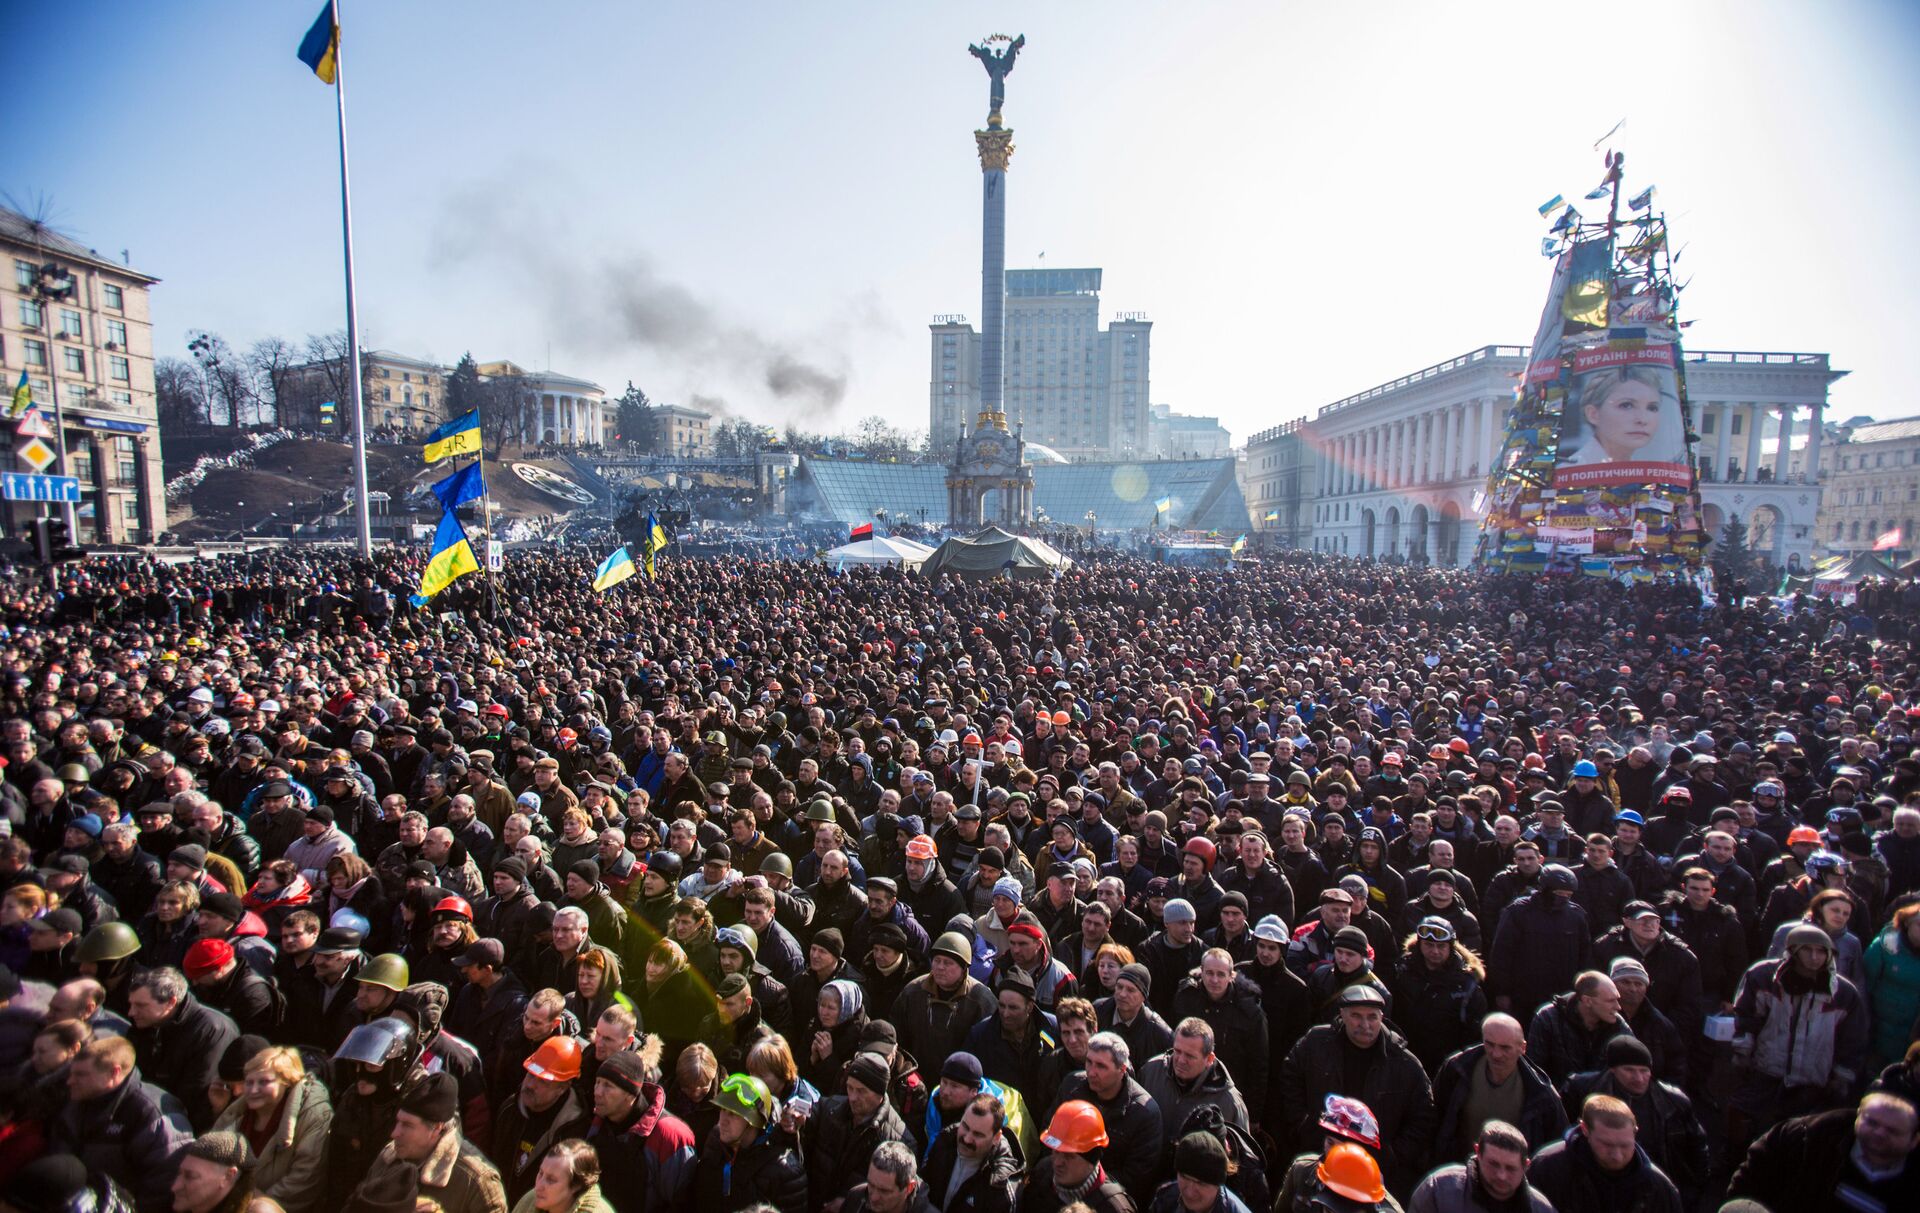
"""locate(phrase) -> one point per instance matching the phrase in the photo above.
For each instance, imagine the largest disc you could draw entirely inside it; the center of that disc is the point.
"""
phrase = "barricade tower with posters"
(1596, 476)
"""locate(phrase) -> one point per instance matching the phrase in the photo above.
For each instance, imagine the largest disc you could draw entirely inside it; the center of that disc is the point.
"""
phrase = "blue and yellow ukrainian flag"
(22, 397)
(461, 436)
(656, 542)
(1164, 505)
(1271, 516)
(614, 570)
(1238, 545)
(452, 557)
(320, 49)
(463, 486)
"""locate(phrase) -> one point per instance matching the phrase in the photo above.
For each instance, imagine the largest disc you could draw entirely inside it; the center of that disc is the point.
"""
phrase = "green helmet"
(819, 809)
(73, 772)
(739, 936)
(108, 941)
(954, 944)
(777, 864)
(387, 970)
(746, 1097)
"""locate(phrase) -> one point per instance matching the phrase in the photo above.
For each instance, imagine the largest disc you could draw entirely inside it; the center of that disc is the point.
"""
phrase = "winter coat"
(1038, 1195)
(1561, 1045)
(1849, 953)
(1016, 1064)
(1168, 1200)
(1168, 963)
(1135, 1129)
(182, 1054)
(133, 1134)
(1451, 1190)
(1176, 1100)
(1814, 1039)
(760, 1172)
(1602, 892)
(593, 1200)
(646, 1165)
(837, 1150)
(293, 1167)
(1394, 1086)
(1568, 1175)
(1893, 983)
(1240, 1033)
(1799, 1163)
(1666, 1127)
(1673, 970)
(248, 999)
(1267, 891)
(1543, 943)
(456, 1175)
(932, 1026)
(1147, 1036)
(516, 1154)
(991, 1188)
(1542, 1118)
(1440, 1010)
(1715, 935)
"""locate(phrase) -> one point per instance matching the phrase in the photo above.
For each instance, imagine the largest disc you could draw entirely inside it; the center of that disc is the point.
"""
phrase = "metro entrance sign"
(27, 486)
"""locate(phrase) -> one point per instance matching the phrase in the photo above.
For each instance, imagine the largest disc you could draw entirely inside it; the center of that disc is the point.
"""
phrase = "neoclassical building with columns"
(556, 408)
(1397, 471)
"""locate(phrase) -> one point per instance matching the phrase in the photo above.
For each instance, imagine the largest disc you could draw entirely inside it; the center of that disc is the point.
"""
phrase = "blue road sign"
(30, 486)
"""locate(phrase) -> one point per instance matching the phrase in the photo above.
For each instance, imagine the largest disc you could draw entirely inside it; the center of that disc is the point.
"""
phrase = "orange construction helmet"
(556, 1060)
(922, 846)
(1803, 834)
(1076, 1128)
(1349, 1170)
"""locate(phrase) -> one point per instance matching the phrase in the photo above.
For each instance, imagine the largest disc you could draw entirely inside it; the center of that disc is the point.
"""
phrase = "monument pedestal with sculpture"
(992, 461)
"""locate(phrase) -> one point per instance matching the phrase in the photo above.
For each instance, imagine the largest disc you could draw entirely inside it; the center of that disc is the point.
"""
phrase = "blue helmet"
(1585, 770)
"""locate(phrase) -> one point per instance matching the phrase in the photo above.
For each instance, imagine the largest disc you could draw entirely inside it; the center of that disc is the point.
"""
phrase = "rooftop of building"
(1905, 429)
(550, 378)
(19, 231)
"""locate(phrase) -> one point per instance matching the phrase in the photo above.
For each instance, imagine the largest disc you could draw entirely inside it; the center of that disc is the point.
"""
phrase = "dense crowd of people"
(1319, 885)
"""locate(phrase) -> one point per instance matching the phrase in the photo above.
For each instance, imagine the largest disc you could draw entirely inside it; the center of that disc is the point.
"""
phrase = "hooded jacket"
(646, 1164)
(1667, 1128)
(1440, 1009)
(1812, 1039)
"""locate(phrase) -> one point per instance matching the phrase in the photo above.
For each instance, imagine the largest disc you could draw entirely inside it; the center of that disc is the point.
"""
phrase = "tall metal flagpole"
(362, 514)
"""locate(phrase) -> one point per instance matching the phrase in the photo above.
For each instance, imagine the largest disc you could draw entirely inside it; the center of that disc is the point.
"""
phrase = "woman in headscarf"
(839, 1015)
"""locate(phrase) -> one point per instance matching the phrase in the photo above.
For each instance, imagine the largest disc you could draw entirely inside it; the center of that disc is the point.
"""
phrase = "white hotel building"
(1395, 471)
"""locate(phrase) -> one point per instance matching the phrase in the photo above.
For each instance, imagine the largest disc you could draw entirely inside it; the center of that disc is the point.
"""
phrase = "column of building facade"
(1349, 461)
(1725, 421)
(1489, 441)
(1399, 453)
(1410, 435)
(1816, 420)
(1436, 442)
(1444, 445)
(1363, 461)
(1376, 452)
(1782, 458)
(1459, 463)
(1752, 465)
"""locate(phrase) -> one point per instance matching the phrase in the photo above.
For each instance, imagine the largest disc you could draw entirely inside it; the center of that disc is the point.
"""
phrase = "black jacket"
(1240, 1033)
(1567, 1174)
(133, 1134)
(1038, 1194)
(1668, 1129)
(1394, 1086)
(1542, 1119)
(1147, 1036)
(1538, 951)
(761, 1172)
(1134, 1128)
(837, 1150)
(990, 1189)
(517, 1152)
(1562, 1046)
(1798, 1164)
(1672, 966)
(182, 1054)
(1440, 1009)
(1267, 891)
(1716, 939)
(248, 999)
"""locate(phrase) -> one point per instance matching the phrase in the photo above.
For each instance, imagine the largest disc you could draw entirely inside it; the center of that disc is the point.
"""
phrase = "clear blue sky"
(1307, 199)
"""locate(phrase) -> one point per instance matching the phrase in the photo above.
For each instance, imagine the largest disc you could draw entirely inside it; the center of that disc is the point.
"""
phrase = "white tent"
(879, 549)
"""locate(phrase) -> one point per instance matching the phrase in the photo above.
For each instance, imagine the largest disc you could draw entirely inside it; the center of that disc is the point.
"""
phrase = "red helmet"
(449, 908)
(1204, 848)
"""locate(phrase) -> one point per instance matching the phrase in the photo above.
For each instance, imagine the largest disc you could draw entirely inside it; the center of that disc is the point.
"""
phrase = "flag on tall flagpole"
(320, 49)
(1238, 545)
(863, 531)
(615, 569)
(1163, 506)
(1887, 540)
(463, 486)
(22, 397)
(461, 436)
(451, 560)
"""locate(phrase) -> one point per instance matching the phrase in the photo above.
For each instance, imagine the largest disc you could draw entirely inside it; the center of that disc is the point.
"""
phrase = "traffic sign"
(26, 486)
(33, 424)
(36, 454)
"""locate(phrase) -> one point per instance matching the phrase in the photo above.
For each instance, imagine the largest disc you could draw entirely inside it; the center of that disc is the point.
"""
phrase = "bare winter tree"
(226, 375)
(271, 360)
(180, 396)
